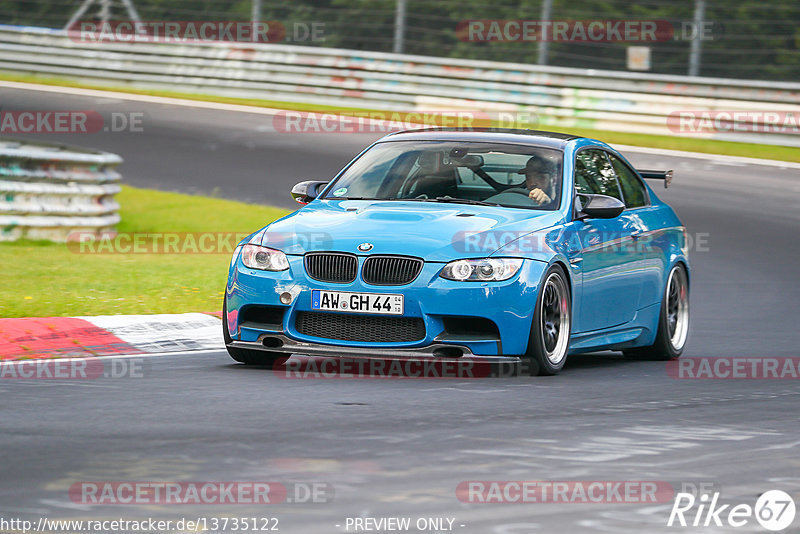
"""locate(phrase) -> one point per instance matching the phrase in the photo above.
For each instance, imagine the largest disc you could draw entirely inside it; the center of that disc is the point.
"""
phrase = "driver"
(539, 179)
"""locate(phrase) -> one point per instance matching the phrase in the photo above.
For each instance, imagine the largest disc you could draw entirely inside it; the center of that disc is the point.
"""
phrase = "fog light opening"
(448, 352)
(272, 342)
(286, 297)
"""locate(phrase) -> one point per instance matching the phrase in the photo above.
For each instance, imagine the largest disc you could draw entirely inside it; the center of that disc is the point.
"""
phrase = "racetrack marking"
(98, 336)
(162, 332)
(42, 337)
(274, 111)
(140, 98)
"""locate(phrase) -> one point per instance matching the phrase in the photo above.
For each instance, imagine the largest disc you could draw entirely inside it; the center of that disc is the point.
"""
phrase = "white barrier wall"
(50, 191)
(604, 100)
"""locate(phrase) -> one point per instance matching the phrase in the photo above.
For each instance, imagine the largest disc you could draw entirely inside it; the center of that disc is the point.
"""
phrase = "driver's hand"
(539, 196)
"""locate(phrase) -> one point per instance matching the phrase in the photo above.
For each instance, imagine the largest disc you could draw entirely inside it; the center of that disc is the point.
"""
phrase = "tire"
(673, 321)
(261, 358)
(548, 343)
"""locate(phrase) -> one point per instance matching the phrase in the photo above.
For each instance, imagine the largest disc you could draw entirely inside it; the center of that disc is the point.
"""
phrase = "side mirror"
(599, 207)
(305, 192)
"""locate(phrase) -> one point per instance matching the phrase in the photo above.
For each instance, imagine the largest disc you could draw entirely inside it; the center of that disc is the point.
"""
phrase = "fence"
(555, 96)
(49, 191)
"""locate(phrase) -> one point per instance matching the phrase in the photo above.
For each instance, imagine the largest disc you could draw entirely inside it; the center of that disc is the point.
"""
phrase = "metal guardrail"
(50, 191)
(604, 100)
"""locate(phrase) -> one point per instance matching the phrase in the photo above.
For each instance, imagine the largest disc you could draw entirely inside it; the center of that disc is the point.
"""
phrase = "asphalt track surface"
(401, 447)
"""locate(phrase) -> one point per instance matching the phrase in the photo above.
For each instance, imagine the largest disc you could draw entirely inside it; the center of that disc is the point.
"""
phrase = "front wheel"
(673, 321)
(549, 338)
(262, 358)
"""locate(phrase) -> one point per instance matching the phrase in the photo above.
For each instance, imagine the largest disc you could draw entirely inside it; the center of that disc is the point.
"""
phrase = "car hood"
(433, 231)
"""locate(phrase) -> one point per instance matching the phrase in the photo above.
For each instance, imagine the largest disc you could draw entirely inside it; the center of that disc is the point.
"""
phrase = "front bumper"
(287, 345)
(508, 304)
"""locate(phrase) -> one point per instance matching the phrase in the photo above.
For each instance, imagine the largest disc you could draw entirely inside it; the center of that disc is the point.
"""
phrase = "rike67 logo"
(774, 510)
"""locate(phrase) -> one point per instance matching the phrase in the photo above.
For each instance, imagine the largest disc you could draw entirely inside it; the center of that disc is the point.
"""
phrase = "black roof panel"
(498, 135)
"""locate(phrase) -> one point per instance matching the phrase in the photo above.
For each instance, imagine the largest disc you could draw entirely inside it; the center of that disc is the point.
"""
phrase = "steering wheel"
(517, 190)
(526, 193)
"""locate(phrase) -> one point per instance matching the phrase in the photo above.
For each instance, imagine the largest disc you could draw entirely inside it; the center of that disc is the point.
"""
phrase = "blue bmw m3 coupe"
(490, 245)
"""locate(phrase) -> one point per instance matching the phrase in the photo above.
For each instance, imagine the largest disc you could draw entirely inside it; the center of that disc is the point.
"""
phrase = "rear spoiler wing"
(658, 175)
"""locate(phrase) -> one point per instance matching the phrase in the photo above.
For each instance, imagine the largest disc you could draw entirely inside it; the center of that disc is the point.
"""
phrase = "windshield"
(447, 171)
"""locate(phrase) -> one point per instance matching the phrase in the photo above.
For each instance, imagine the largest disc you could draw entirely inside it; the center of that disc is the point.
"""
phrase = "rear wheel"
(261, 358)
(673, 321)
(552, 319)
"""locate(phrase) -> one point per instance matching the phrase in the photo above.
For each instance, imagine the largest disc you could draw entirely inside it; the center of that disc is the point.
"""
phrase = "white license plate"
(357, 302)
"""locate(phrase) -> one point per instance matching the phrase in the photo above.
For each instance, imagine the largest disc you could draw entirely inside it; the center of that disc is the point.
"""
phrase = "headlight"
(483, 270)
(263, 258)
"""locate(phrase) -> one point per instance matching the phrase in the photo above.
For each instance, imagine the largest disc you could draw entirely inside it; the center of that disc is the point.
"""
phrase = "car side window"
(594, 174)
(632, 187)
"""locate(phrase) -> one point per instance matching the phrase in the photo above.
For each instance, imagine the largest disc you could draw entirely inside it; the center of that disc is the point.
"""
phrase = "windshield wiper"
(451, 200)
(461, 201)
